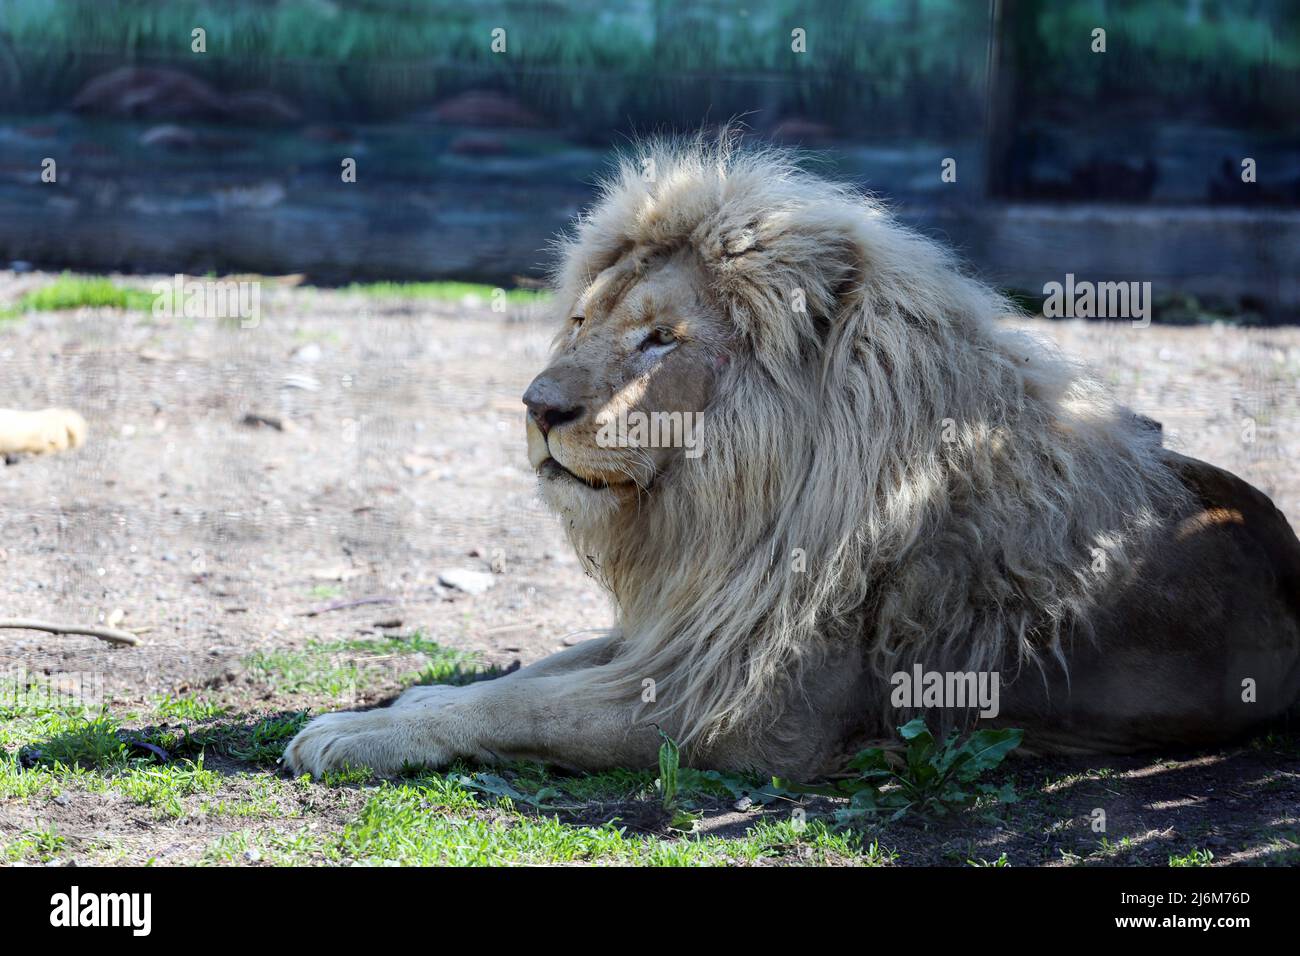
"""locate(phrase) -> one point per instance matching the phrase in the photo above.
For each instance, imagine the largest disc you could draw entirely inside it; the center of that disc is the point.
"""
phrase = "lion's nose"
(548, 405)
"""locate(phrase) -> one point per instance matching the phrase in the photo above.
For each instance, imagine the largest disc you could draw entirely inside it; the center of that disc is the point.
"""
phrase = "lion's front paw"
(382, 740)
(40, 433)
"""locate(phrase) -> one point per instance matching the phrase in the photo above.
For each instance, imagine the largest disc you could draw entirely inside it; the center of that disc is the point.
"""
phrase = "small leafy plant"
(935, 779)
(498, 786)
(670, 759)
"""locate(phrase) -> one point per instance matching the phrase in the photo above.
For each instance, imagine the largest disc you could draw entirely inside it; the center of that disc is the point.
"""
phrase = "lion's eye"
(658, 337)
(577, 321)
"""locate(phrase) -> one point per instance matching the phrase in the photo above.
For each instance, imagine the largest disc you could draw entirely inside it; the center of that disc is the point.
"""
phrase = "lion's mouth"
(552, 468)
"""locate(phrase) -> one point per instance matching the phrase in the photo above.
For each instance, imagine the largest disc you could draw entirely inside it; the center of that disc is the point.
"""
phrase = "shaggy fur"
(890, 477)
(954, 492)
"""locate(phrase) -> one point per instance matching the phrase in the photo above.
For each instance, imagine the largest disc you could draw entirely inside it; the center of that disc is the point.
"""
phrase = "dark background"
(1117, 165)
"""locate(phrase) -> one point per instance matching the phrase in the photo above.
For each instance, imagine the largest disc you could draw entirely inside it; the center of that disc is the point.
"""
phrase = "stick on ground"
(345, 605)
(111, 634)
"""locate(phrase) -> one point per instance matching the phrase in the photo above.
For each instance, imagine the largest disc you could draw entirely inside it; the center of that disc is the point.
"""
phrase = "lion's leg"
(590, 653)
(549, 712)
(552, 717)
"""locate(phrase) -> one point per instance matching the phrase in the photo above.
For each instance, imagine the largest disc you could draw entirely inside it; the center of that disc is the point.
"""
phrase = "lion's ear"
(808, 264)
(872, 271)
(846, 275)
(742, 241)
(834, 265)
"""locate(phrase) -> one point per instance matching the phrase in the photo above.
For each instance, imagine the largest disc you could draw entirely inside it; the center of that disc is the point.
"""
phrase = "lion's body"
(40, 433)
(1213, 610)
(891, 478)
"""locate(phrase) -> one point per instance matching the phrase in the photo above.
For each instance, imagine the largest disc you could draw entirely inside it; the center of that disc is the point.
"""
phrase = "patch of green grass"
(311, 671)
(58, 741)
(348, 777)
(447, 292)
(814, 841)
(397, 826)
(29, 710)
(269, 737)
(91, 755)
(463, 817)
(185, 740)
(443, 665)
(1195, 857)
(300, 848)
(261, 742)
(262, 801)
(413, 643)
(87, 743)
(22, 783)
(393, 828)
(456, 669)
(1277, 742)
(1110, 849)
(440, 791)
(187, 708)
(518, 814)
(1282, 846)
(533, 785)
(70, 291)
(164, 787)
(538, 786)
(41, 845)
(607, 786)
(435, 820)
(341, 669)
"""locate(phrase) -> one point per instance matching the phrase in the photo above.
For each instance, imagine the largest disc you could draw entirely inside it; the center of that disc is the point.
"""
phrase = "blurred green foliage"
(587, 64)
(898, 66)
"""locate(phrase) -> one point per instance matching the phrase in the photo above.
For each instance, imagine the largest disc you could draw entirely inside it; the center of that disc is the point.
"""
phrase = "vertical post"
(1000, 99)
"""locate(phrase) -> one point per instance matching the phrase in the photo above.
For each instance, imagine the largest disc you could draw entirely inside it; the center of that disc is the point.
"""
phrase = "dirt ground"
(253, 492)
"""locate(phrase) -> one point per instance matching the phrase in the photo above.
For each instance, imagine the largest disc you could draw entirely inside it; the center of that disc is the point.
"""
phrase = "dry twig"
(111, 634)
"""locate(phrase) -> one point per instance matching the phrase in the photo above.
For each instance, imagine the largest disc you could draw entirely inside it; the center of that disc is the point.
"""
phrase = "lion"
(891, 480)
(40, 433)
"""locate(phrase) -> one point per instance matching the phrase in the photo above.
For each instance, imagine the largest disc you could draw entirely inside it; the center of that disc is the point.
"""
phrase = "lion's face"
(630, 376)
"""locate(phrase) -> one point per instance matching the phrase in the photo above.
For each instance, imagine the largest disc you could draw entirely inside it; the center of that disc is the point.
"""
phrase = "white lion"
(890, 478)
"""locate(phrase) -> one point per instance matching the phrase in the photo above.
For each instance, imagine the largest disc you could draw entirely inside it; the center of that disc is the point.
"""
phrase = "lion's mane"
(955, 492)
